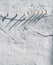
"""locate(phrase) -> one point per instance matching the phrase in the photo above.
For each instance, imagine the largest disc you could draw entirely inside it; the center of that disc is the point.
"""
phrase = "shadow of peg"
(3, 18)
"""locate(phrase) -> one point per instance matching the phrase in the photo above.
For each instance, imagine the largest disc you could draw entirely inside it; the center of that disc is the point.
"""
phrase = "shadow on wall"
(52, 40)
(52, 53)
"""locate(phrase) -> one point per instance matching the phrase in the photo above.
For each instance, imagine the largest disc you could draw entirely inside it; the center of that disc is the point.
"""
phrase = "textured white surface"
(29, 45)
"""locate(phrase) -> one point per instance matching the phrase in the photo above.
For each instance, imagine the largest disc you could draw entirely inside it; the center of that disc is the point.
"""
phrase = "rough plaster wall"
(27, 45)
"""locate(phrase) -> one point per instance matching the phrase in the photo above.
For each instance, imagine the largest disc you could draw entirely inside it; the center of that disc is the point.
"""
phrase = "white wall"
(32, 46)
